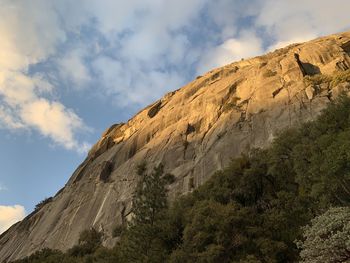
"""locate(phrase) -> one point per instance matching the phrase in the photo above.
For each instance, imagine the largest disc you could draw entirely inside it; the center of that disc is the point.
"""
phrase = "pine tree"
(145, 239)
(150, 196)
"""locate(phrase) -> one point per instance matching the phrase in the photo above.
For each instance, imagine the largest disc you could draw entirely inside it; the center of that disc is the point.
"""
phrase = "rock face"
(193, 131)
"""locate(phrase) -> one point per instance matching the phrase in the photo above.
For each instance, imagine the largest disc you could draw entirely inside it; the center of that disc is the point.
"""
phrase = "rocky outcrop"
(193, 132)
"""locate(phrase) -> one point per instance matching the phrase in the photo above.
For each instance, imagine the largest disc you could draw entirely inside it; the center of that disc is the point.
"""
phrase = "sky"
(69, 69)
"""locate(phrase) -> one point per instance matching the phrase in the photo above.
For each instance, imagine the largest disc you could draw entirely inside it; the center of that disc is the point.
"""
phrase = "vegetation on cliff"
(267, 206)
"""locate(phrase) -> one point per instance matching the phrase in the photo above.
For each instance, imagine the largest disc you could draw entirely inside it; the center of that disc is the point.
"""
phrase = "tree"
(150, 196)
(214, 232)
(146, 239)
(89, 242)
(45, 255)
(42, 203)
(327, 239)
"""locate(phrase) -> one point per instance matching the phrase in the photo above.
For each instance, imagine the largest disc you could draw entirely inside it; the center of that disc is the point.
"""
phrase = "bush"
(317, 79)
(118, 230)
(332, 80)
(341, 77)
(45, 255)
(89, 242)
(42, 203)
(269, 73)
(327, 239)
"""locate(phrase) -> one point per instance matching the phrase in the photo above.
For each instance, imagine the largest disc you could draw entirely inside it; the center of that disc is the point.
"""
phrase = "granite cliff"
(193, 131)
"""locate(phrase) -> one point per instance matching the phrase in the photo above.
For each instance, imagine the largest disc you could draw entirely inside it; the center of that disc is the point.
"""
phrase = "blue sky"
(69, 69)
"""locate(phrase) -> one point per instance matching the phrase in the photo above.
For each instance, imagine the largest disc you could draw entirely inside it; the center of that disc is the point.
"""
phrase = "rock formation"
(193, 131)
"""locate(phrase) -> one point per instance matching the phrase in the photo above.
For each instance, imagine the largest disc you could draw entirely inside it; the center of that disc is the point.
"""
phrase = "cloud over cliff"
(10, 215)
(132, 52)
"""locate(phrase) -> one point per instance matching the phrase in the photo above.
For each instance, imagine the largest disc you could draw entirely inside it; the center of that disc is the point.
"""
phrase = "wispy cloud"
(302, 19)
(9, 215)
(246, 45)
(2, 187)
(73, 69)
(25, 107)
(30, 34)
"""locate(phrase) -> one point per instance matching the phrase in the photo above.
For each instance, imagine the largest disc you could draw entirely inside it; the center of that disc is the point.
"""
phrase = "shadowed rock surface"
(193, 131)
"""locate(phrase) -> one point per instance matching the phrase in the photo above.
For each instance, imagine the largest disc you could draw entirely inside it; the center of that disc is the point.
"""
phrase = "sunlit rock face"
(193, 131)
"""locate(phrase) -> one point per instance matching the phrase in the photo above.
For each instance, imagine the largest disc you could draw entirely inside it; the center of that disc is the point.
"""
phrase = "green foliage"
(332, 80)
(239, 213)
(341, 77)
(169, 178)
(45, 255)
(214, 231)
(254, 209)
(146, 240)
(150, 196)
(317, 79)
(250, 212)
(89, 242)
(42, 203)
(88, 250)
(327, 239)
(230, 105)
(118, 230)
(269, 73)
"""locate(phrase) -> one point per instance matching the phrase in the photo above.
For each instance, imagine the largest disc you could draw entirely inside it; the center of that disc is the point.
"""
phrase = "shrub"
(42, 203)
(332, 80)
(341, 77)
(269, 73)
(317, 79)
(45, 255)
(89, 242)
(118, 230)
(327, 239)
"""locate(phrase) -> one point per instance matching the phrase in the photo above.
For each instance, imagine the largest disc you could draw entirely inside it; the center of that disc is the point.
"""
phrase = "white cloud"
(135, 76)
(23, 107)
(129, 90)
(30, 33)
(279, 23)
(10, 215)
(72, 68)
(233, 49)
(226, 15)
(298, 39)
(52, 119)
(288, 21)
(7, 119)
(33, 33)
(153, 15)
